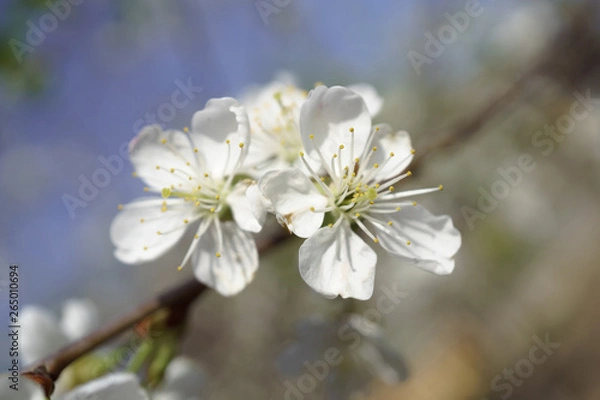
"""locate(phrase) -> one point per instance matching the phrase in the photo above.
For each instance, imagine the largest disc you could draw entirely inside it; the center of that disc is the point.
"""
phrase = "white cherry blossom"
(362, 166)
(274, 113)
(198, 175)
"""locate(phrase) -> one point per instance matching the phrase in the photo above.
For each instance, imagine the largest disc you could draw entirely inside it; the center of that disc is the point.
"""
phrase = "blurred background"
(499, 104)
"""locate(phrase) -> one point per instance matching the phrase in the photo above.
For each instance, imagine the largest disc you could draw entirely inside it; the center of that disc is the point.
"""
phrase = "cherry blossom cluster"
(313, 160)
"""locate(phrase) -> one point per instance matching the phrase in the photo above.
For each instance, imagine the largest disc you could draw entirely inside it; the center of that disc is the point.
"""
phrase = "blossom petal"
(221, 120)
(242, 208)
(117, 386)
(328, 114)
(138, 241)
(370, 96)
(184, 380)
(433, 239)
(164, 159)
(336, 261)
(387, 143)
(260, 206)
(237, 264)
(41, 334)
(292, 195)
(79, 318)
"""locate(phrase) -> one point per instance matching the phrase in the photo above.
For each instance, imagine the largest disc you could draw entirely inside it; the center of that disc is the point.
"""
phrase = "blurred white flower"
(197, 175)
(346, 355)
(184, 380)
(118, 386)
(361, 164)
(28, 390)
(274, 113)
(43, 334)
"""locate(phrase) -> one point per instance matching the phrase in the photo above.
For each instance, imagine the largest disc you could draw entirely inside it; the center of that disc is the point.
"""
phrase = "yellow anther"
(205, 175)
(357, 215)
(312, 209)
(120, 207)
(197, 204)
(179, 268)
(141, 220)
(398, 208)
(196, 236)
(376, 129)
(185, 221)
(241, 145)
(195, 149)
(163, 141)
(145, 247)
(371, 202)
(158, 167)
(334, 155)
(441, 187)
(413, 151)
(377, 186)
(408, 173)
(330, 225)
(354, 174)
(356, 160)
(311, 136)
(375, 165)
(186, 129)
(217, 197)
(166, 193)
(146, 189)
(414, 203)
(392, 154)
(342, 146)
(322, 179)
(218, 254)
(391, 188)
(408, 242)
(374, 148)
(187, 163)
(390, 223)
(172, 186)
(198, 187)
(163, 208)
(134, 174)
(212, 209)
(172, 170)
(301, 154)
(227, 141)
(351, 129)
(158, 233)
(376, 240)
(189, 178)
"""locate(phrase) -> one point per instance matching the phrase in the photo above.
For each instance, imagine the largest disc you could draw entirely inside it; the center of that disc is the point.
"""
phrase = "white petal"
(79, 318)
(386, 143)
(336, 261)
(260, 206)
(138, 241)
(434, 239)
(167, 150)
(242, 208)
(231, 272)
(370, 96)
(292, 195)
(28, 390)
(221, 120)
(41, 334)
(119, 386)
(328, 114)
